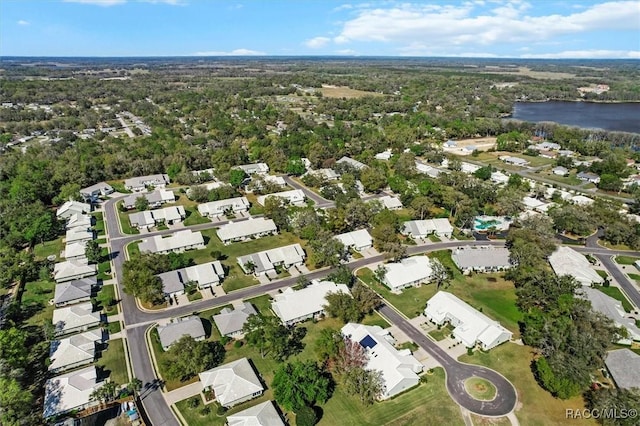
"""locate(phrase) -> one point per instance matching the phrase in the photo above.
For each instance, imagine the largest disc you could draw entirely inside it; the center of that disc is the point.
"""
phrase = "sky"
(471, 28)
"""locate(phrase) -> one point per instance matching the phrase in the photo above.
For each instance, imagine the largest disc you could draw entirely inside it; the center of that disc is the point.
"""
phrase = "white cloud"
(444, 27)
(587, 54)
(236, 52)
(346, 52)
(107, 3)
(317, 42)
(23, 22)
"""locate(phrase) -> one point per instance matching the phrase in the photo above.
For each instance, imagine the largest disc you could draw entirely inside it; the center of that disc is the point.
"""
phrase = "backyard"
(49, 248)
(113, 360)
(35, 302)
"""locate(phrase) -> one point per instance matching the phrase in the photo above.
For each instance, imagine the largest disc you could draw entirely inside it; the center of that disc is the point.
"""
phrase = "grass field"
(441, 333)
(35, 300)
(345, 92)
(124, 220)
(514, 362)
(262, 304)
(634, 276)
(48, 248)
(618, 295)
(107, 294)
(492, 158)
(99, 226)
(626, 260)
(480, 388)
(112, 359)
(571, 179)
(602, 273)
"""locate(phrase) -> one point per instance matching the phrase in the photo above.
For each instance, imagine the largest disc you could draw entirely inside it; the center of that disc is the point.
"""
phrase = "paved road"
(620, 277)
(458, 373)
(320, 201)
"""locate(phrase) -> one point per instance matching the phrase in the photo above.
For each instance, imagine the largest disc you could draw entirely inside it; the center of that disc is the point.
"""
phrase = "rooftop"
(567, 261)
(231, 321)
(232, 381)
(291, 305)
(624, 366)
(172, 332)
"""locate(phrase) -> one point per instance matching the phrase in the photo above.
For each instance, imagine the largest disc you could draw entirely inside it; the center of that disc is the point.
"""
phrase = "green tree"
(93, 251)
(367, 385)
(105, 393)
(187, 357)
(614, 400)
(422, 207)
(13, 347)
(343, 306)
(373, 179)
(306, 416)
(295, 167)
(327, 250)
(610, 182)
(300, 384)
(483, 173)
(276, 210)
(141, 203)
(15, 402)
(440, 275)
(237, 177)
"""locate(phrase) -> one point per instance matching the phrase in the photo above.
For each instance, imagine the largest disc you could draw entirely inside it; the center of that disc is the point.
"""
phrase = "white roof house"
(409, 272)
(275, 180)
(73, 270)
(384, 155)
(188, 326)
(220, 207)
(624, 366)
(78, 235)
(469, 168)
(264, 414)
(326, 174)
(471, 326)
(531, 203)
(428, 170)
(232, 383)
(295, 197)
(205, 275)
(74, 318)
(567, 261)
(79, 220)
(176, 242)
(70, 391)
(149, 218)
(259, 168)
(75, 350)
(357, 240)
(91, 193)
(76, 250)
(581, 200)
(390, 203)
(155, 198)
(423, 228)
(481, 258)
(230, 322)
(353, 163)
(564, 195)
(70, 208)
(295, 306)
(499, 177)
(266, 261)
(252, 228)
(76, 291)
(611, 308)
(560, 171)
(398, 367)
(140, 183)
(516, 161)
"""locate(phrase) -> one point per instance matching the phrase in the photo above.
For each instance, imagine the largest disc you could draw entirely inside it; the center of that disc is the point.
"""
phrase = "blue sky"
(483, 28)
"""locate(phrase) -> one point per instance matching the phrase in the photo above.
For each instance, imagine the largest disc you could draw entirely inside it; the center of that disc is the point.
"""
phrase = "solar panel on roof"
(368, 342)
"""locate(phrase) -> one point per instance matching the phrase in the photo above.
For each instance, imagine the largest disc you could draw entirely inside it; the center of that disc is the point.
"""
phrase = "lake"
(623, 117)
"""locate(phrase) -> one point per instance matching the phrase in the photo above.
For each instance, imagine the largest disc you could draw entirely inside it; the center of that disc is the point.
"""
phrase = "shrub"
(305, 416)
(205, 410)
(221, 410)
(224, 340)
(194, 402)
(469, 351)
(237, 344)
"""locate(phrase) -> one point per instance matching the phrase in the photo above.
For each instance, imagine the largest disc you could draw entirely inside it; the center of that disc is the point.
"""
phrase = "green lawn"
(618, 295)
(99, 226)
(375, 319)
(434, 239)
(104, 270)
(35, 300)
(480, 388)
(48, 248)
(193, 217)
(112, 359)
(124, 221)
(602, 273)
(107, 294)
(626, 260)
(132, 248)
(118, 186)
(262, 304)
(514, 362)
(567, 180)
(634, 276)
(194, 296)
(441, 333)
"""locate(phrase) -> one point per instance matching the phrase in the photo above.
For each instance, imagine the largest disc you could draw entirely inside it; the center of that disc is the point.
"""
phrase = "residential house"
(481, 259)
(566, 153)
(516, 161)
(150, 218)
(263, 414)
(469, 168)
(499, 178)
(174, 331)
(252, 228)
(232, 383)
(70, 391)
(547, 154)
(70, 208)
(351, 162)
(177, 242)
(581, 200)
(295, 306)
(560, 171)
(76, 291)
(74, 351)
(155, 198)
(472, 327)
(204, 275)
(384, 155)
(81, 221)
(588, 177)
(546, 146)
(231, 321)
(93, 192)
(357, 240)
(141, 183)
(75, 251)
(75, 318)
(390, 203)
(409, 272)
(624, 367)
(73, 270)
(567, 261)
(325, 174)
(294, 197)
(258, 183)
(428, 170)
(78, 235)
(265, 262)
(222, 207)
(612, 309)
(256, 168)
(398, 367)
(208, 186)
(420, 229)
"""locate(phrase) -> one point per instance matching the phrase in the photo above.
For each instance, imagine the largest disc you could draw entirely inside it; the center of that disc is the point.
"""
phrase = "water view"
(623, 117)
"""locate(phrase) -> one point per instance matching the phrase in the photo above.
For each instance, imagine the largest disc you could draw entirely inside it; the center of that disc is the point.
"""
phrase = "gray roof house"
(172, 332)
(232, 383)
(611, 308)
(205, 275)
(155, 198)
(140, 183)
(93, 192)
(70, 208)
(76, 291)
(74, 351)
(75, 251)
(423, 228)
(588, 177)
(266, 261)
(264, 414)
(353, 163)
(78, 235)
(149, 218)
(73, 270)
(75, 318)
(176, 242)
(259, 168)
(624, 366)
(230, 322)
(481, 259)
(70, 391)
(252, 228)
(79, 220)
(220, 207)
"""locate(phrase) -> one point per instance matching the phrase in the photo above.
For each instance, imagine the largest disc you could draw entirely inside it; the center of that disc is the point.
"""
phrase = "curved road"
(137, 322)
